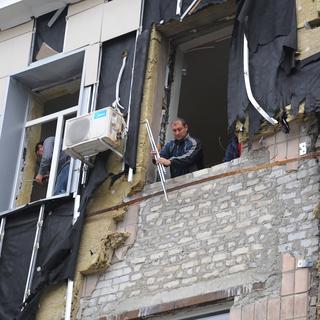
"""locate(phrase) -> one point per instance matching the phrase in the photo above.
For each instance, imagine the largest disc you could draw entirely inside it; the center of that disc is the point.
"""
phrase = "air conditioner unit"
(92, 133)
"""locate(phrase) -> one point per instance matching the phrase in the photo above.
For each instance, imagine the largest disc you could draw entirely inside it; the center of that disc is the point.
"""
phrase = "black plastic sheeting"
(58, 251)
(155, 11)
(277, 79)
(15, 259)
(53, 36)
(112, 52)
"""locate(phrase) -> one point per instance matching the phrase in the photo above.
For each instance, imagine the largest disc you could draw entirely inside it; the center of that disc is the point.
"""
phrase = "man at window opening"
(44, 151)
(183, 154)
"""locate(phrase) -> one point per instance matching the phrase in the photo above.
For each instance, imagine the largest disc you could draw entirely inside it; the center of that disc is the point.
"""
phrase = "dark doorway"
(203, 97)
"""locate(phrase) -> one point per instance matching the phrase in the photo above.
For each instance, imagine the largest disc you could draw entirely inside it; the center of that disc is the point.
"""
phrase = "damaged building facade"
(236, 240)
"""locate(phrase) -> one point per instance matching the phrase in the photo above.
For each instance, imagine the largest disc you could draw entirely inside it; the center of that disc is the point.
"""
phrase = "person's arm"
(45, 163)
(165, 151)
(192, 155)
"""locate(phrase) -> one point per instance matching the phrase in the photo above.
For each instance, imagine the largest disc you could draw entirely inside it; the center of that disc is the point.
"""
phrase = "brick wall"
(294, 301)
(222, 232)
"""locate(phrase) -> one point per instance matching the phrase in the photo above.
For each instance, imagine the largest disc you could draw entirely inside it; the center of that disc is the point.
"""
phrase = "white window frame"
(86, 99)
(59, 116)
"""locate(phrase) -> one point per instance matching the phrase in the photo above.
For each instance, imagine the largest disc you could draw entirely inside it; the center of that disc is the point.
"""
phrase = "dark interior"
(203, 97)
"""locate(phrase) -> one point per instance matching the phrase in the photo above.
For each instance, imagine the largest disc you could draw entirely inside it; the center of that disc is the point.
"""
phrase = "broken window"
(49, 36)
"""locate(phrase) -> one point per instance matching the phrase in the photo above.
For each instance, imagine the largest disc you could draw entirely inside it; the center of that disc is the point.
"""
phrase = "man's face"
(179, 130)
(40, 151)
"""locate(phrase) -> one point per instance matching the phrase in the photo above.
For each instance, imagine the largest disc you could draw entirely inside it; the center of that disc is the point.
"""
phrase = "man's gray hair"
(183, 122)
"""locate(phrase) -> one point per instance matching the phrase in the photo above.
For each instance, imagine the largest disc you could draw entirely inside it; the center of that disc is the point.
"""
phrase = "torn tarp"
(277, 79)
(58, 248)
(17, 249)
(49, 38)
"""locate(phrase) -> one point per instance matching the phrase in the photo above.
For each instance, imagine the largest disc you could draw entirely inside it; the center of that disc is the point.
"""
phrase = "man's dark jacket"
(185, 155)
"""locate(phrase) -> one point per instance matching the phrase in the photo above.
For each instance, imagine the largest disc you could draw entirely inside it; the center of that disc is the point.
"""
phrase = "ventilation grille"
(77, 131)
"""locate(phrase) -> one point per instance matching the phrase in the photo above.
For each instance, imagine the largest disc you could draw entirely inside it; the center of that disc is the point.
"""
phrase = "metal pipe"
(155, 150)
(33, 259)
(160, 167)
(130, 175)
(2, 228)
(189, 8)
(179, 6)
(67, 314)
(154, 146)
(248, 85)
(55, 157)
(76, 214)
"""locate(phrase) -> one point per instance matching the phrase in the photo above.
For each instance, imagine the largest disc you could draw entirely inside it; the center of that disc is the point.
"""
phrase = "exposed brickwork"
(294, 302)
(217, 235)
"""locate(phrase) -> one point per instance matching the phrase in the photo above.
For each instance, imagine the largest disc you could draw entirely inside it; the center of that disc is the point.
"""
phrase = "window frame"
(85, 104)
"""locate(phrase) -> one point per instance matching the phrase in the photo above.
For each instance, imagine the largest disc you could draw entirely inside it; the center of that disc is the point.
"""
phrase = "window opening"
(47, 91)
(212, 311)
(35, 131)
(54, 99)
(199, 92)
(49, 36)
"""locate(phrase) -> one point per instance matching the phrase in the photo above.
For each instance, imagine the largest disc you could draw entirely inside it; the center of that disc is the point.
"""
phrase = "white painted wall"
(15, 46)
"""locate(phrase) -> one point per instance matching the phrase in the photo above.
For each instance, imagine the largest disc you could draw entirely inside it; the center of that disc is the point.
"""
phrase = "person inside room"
(44, 151)
(183, 154)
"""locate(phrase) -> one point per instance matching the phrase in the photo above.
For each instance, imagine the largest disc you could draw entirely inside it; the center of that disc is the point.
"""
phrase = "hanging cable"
(248, 85)
(116, 104)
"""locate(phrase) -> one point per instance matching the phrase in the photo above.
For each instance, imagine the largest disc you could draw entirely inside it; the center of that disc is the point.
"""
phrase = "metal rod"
(68, 309)
(160, 167)
(2, 228)
(55, 157)
(153, 144)
(56, 16)
(189, 8)
(67, 315)
(33, 259)
(130, 175)
(179, 6)
(248, 85)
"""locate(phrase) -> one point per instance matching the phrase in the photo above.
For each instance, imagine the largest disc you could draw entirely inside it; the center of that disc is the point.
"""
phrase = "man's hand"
(153, 153)
(39, 178)
(165, 162)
